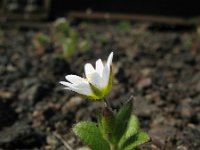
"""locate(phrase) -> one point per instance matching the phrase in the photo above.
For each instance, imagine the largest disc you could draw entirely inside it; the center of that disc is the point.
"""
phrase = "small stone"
(61, 126)
(11, 68)
(181, 147)
(80, 115)
(71, 104)
(143, 83)
(191, 136)
(36, 114)
(35, 93)
(48, 147)
(21, 136)
(7, 115)
(146, 72)
(83, 148)
(185, 108)
(51, 140)
(144, 107)
(28, 82)
(5, 94)
(198, 86)
(160, 133)
(155, 96)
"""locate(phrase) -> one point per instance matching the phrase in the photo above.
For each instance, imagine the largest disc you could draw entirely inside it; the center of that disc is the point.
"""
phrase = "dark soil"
(161, 68)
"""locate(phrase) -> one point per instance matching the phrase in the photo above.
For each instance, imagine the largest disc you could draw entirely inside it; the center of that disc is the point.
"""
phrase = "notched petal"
(95, 79)
(99, 67)
(110, 57)
(75, 79)
(89, 68)
(98, 81)
(66, 83)
(84, 89)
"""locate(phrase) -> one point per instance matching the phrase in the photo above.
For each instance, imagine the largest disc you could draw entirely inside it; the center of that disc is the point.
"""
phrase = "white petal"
(68, 84)
(106, 71)
(99, 67)
(84, 89)
(99, 77)
(106, 75)
(110, 57)
(75, 79)
(89, 70)
(96, 80)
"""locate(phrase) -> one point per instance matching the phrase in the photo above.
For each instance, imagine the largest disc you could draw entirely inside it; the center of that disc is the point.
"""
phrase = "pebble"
(72, 103)
(7, 115)
(160, 133)
(143, 83)
(21, 136)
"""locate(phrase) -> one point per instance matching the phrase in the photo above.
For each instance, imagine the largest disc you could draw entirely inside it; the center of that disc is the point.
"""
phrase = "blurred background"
(51, 9)
(156, 47)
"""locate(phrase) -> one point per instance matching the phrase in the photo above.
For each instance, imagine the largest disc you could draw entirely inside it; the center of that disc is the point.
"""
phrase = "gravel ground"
(158, 64)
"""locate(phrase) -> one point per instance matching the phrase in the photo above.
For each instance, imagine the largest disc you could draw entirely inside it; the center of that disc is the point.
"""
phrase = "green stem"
(112, 147)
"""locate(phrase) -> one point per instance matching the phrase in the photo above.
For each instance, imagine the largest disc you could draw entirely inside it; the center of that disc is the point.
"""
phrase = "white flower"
(98, 81)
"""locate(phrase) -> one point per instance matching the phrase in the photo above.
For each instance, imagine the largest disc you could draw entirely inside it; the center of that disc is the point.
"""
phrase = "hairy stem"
(112, 147)
(107, 103)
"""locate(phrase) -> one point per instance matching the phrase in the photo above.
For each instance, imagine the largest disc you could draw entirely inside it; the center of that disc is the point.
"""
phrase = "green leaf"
(135, 140)
(132, 129)
(90, 134)
(121, 121)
